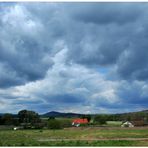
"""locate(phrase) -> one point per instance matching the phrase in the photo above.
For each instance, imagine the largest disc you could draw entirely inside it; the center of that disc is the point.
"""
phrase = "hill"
(116, 116)
(59, 114)
(110, 117)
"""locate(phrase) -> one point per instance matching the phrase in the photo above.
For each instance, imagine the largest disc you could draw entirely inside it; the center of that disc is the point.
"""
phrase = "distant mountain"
(117, 116)
(136, 112)
(59, 114)
(144, 111)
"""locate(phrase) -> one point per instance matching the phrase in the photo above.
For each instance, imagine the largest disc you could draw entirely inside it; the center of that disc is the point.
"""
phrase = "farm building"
(127, 124)
(78, 122)
(133, 123)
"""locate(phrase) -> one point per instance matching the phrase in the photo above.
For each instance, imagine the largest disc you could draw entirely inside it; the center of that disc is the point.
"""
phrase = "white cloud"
(73, 79)
(55, 57)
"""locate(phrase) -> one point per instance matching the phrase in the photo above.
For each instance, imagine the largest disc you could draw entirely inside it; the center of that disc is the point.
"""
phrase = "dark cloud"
(51, 48)
(64, 98)
(133, 93)
(26, 64)
(121, 40)
(105, 13)
(21, 53)
(134, 63)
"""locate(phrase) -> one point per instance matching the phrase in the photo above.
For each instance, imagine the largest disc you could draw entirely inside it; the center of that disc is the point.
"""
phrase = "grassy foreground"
(75, 137)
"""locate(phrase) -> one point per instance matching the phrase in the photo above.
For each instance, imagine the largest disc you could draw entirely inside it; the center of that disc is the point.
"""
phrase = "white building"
(127, 124)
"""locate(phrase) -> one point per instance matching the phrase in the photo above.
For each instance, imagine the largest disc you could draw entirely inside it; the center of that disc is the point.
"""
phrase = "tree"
(54, 124)
(101, 119)
(15, 121)
(88, 117)
(22, 116)
(1, 121)
(28, 117)
(7, 119)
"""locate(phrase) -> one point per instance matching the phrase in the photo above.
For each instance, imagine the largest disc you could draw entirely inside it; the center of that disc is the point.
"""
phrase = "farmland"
(81, 136)
(32, 129)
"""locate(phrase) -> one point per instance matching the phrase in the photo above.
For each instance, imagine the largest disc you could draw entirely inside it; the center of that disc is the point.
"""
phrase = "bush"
(100, 119)
(84, 125)
(39, 125)
(7, 119)
(54, 124)
(65, 123)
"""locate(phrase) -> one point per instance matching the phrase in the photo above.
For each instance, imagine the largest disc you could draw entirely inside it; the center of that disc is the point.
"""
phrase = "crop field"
(82, 136)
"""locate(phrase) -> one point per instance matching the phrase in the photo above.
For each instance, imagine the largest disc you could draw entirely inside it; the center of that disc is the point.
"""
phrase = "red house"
(77, 122)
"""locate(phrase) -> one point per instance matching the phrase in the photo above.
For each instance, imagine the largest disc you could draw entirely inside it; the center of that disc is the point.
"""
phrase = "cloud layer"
(74, 57)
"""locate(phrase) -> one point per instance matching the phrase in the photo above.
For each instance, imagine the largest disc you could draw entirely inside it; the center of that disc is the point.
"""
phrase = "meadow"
(81, 136)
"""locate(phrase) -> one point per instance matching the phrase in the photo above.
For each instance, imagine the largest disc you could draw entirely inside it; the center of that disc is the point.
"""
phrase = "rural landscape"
(28, 128)
(73, 73)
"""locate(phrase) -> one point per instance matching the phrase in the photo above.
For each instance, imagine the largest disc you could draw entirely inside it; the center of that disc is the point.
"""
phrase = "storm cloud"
(65, 56)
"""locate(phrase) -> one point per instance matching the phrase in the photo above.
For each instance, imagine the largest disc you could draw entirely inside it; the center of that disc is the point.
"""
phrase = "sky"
(73, 57)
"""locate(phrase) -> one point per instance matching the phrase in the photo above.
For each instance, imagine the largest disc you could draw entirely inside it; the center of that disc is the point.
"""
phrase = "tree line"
(24, 118)
(31, 119)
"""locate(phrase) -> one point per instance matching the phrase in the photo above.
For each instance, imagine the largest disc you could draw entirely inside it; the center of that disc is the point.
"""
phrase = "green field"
(114, 123)
(82, 136)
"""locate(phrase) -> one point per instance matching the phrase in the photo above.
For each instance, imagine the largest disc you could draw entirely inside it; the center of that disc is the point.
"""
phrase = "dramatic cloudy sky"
(74, 57)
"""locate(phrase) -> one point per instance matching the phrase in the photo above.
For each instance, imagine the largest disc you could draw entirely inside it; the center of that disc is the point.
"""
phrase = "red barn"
(77, 122)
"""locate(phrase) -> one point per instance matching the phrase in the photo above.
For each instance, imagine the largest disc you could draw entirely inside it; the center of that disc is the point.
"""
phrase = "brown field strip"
(96, 139)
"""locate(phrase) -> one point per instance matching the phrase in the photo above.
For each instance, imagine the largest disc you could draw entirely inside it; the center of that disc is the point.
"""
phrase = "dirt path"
(96, 139)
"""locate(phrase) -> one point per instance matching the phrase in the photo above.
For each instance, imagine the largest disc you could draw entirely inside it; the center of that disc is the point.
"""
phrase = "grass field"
(82, 136)
(114, 123)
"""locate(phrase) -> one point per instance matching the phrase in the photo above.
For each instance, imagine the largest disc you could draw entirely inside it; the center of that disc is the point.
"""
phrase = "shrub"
(54, 124)
(39, 125)
(65, 123)
(100, 119)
